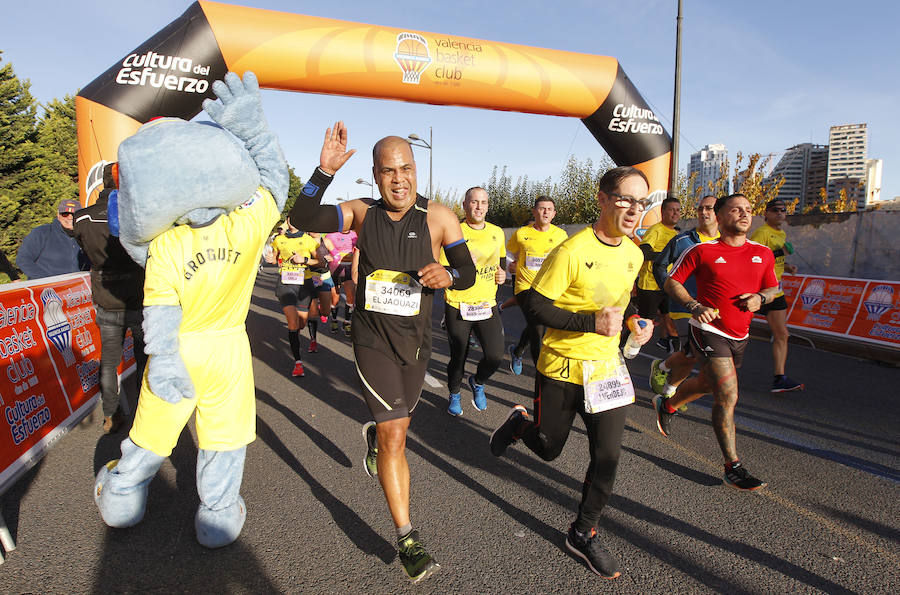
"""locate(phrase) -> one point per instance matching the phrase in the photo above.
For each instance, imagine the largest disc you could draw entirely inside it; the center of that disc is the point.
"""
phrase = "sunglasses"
(779, 210)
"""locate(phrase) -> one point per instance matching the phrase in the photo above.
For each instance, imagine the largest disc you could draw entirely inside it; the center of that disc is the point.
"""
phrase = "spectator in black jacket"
(49, 249)
(117, 284)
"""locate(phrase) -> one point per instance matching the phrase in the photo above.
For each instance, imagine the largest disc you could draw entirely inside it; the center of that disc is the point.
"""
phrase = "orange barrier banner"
(50, 357)
(859, 309)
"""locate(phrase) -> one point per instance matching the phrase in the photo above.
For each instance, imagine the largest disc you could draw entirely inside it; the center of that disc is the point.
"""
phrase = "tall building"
(707, 164)
(803, 167)
(873, 182)
(847, 149)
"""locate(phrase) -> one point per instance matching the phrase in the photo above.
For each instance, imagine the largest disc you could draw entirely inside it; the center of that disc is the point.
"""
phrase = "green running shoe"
(417, 563)
(370, 462)
(658, 378)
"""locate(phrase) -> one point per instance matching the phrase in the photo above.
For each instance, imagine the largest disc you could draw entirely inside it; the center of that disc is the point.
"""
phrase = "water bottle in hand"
(631, 345)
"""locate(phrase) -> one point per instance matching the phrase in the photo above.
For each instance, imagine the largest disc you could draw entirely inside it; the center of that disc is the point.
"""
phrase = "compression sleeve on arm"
(460, 259)
(649, 254)
(308, 214)
(503, 262)
(543, 311)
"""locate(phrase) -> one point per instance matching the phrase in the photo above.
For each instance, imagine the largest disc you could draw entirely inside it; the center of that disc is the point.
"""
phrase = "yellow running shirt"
(773, 239)
(584, 275)
(674, 313)
(486, 247)
(530, 247)
(285, 247)
(210, 272)
(657, 237)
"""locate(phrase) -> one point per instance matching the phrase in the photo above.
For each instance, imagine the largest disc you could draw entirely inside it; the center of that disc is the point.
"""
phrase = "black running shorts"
(706, 344)
(297, 296)
(391, 389)
(778, 303)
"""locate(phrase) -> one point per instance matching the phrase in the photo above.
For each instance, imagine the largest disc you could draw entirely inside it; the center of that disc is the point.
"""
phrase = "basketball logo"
(412, 56)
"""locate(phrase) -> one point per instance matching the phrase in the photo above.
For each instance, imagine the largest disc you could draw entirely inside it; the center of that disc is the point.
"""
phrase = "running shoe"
(347, 329)
(298, 369)
(313, 347)
(783, 384)
(658, 378)
(506, 433)
(738, 477)
(334, 325)
(588, 548)
(515, 362)
(455, 408)
(663, 417)
(479, 399)
(370, 462)
(323, 319)
(472, 342)
(417, 563)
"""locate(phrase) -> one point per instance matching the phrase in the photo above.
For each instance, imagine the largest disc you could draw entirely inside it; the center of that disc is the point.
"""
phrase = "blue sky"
(758, 77)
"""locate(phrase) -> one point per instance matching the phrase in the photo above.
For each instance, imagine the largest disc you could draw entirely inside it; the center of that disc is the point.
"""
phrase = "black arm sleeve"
(503, 262)
(779, 252)
(649, 254)
(308, 214)
(461, 260)
(662, 262)
(543, 311)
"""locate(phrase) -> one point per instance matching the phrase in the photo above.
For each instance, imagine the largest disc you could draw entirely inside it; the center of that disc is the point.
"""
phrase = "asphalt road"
(828, 522)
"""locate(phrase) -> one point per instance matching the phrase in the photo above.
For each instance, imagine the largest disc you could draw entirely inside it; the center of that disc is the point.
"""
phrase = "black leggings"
(555, 406)
(488, 332)
(533, 334)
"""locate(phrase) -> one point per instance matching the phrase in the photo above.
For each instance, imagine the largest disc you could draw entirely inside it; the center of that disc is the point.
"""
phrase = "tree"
(751, 182)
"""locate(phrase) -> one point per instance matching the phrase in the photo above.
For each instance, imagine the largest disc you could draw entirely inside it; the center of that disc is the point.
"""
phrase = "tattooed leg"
(723, 378)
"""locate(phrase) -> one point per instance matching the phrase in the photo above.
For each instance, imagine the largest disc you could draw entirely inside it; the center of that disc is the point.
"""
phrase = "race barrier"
(172, 72)
(858, 309)
(50, 357)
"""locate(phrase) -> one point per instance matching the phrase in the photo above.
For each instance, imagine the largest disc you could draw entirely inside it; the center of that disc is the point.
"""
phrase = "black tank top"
(383, 316)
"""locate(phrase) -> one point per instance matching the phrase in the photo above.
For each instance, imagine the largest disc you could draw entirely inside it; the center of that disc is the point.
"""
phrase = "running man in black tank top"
(400, 238)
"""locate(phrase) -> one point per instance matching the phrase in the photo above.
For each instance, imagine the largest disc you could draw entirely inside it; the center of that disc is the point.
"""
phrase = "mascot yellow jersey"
(210, 271)
(530, 247)
(486, 247)
(584, 275)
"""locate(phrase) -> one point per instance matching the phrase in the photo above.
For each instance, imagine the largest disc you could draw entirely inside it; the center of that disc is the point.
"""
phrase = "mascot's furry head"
(173, 172)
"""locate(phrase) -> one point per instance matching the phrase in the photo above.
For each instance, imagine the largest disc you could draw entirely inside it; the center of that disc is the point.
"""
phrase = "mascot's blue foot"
(222, 511)
(121, 487)
(218, 528)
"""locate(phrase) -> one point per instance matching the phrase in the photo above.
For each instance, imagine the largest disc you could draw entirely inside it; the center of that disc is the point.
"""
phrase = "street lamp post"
(369, 184)
(427, 145)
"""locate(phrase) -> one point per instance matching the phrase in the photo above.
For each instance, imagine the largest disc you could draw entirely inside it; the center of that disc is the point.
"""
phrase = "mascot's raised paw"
(239, 108)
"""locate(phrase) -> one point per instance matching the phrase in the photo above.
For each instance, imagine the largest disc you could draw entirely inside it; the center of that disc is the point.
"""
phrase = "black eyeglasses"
(626, 202)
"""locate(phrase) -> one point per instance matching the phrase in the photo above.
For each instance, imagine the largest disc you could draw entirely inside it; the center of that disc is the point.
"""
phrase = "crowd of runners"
(579, 295)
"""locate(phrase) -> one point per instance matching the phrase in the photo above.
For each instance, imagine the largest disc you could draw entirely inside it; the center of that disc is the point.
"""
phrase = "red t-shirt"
(723, 273)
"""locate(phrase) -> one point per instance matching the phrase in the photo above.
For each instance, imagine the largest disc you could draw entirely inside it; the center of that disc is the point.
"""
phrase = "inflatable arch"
(172, 72)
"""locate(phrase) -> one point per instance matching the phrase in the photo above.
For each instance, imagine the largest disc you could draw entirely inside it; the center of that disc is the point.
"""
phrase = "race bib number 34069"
(393, 292)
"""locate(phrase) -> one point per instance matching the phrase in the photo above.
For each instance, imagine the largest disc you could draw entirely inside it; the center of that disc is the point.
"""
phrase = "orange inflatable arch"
(172, 72)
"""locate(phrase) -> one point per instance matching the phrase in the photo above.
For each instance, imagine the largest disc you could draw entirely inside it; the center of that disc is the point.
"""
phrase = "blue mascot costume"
(195, 205)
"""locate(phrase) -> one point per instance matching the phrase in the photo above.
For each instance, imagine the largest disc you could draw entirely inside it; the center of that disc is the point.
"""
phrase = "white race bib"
(392, 292)
(607, 385)
(293, 276)
(533, 263)
(475, 312)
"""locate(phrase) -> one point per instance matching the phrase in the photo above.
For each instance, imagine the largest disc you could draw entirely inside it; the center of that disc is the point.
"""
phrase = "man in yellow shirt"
(772, 235)
(581, 294)
(475, 309)
(529, 246)
(651, 300)
(294, 251)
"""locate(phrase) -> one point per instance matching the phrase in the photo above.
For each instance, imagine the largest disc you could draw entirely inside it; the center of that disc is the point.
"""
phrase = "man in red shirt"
(735, 276)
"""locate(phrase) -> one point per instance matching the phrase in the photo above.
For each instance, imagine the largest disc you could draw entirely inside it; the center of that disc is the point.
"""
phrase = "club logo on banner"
(880, 300)
(412, 56)
(813, 293)
(59, 331)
